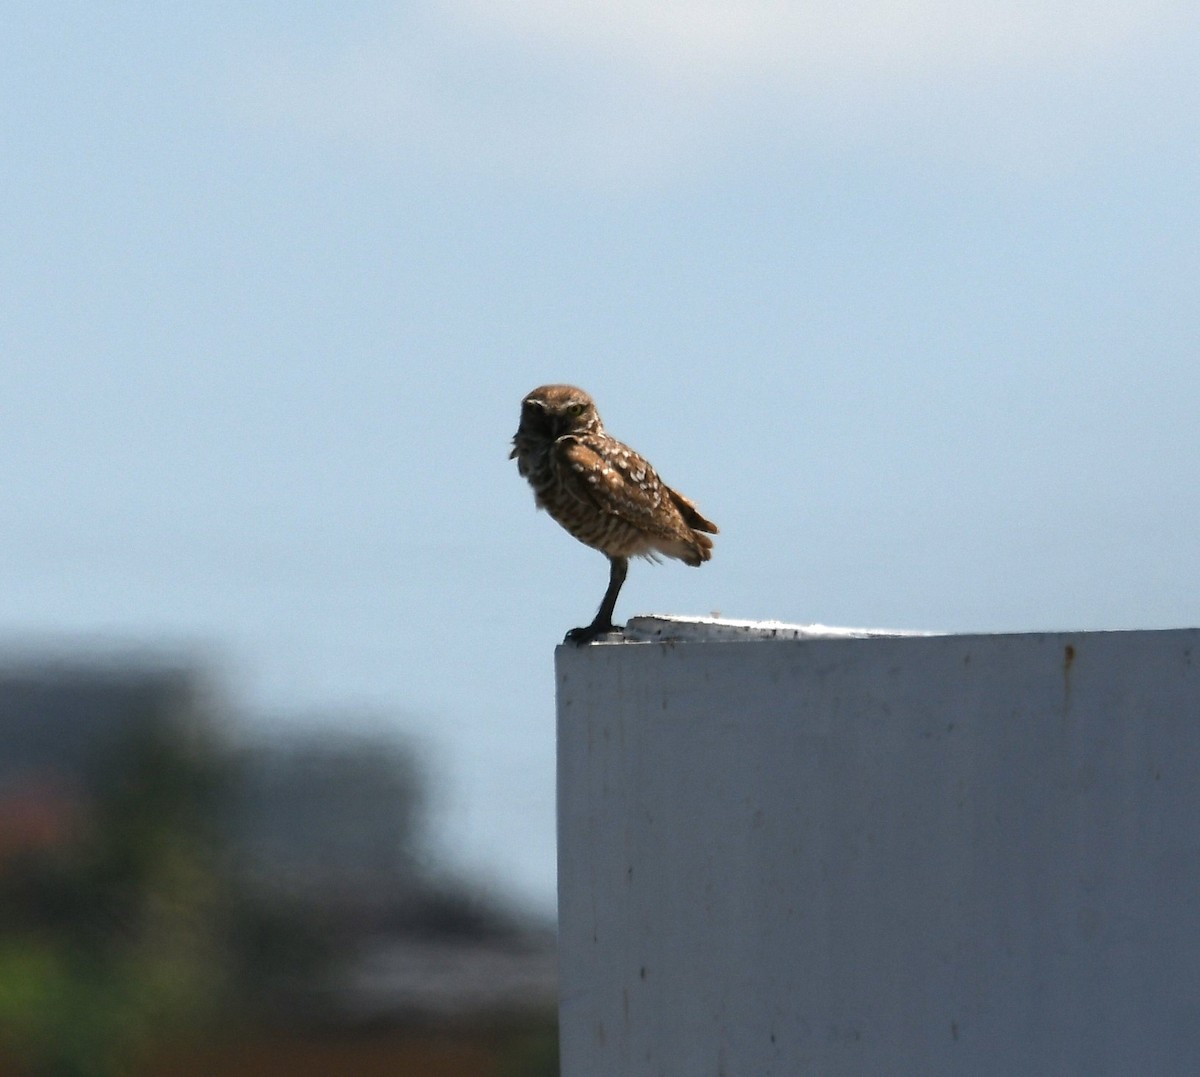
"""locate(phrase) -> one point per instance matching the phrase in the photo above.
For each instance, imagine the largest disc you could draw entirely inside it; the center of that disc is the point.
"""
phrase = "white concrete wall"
(945, 855)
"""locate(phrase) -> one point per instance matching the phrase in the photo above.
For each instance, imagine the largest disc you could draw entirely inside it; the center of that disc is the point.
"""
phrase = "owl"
(602, 492)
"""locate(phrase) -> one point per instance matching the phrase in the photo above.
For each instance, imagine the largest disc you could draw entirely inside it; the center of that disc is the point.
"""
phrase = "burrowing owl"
(602, 492)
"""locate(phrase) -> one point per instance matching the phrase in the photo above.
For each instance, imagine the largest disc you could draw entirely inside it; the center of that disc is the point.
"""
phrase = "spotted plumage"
(602, 492)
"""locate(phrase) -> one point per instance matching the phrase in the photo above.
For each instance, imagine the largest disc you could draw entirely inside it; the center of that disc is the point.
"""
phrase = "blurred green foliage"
(532, 1053)
(111, 937)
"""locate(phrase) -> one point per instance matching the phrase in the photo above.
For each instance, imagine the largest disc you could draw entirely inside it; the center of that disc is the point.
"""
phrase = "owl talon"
(586, 634)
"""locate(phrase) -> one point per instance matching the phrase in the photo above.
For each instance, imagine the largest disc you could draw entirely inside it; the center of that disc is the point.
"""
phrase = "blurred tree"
(110, 935)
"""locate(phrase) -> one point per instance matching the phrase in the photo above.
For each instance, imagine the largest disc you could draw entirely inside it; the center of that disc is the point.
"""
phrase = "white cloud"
(707, 41)
(618, 91)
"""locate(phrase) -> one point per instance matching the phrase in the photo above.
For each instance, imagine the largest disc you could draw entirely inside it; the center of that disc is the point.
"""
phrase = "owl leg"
(618, 567)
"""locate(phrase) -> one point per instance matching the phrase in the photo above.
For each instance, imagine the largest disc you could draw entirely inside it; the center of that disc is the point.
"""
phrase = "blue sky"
(903, 294)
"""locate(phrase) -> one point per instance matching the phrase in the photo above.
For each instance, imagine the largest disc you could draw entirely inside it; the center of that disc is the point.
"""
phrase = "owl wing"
(616, 480)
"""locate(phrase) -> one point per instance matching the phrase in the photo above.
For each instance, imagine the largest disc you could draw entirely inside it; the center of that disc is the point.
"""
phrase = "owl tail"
(691, 517)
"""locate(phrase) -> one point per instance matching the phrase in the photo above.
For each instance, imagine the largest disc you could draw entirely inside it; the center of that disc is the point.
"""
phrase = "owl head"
(551, 411)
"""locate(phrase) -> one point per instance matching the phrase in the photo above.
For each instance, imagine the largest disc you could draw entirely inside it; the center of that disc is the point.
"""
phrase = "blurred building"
(329, 819)
(65, 733)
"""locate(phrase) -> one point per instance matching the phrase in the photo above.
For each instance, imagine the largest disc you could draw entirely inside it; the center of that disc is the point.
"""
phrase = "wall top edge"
(678, 628)
(653, 628)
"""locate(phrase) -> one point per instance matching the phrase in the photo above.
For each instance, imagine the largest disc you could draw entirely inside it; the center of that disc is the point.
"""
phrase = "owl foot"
(580, 636)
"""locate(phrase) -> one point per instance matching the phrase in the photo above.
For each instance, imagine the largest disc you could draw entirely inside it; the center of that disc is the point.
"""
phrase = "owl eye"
(577, 409)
